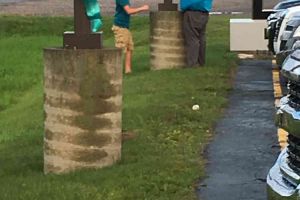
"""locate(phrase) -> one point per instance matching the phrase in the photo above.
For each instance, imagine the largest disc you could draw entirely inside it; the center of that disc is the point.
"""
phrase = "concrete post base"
(166, 38)
(83, 100)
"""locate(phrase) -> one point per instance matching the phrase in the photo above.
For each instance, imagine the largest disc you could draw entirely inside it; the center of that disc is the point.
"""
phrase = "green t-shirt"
(122, 19)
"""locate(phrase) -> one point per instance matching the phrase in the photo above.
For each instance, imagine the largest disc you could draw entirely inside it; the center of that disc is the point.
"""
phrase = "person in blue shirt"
(195, 18)
(123, 36)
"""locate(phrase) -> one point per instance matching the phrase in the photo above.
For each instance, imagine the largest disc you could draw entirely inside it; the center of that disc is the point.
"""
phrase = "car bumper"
(287, 117)
(282, 181)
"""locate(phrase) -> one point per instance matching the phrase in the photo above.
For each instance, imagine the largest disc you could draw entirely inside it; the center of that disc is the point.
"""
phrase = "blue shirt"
(200, 5)
(122, 19)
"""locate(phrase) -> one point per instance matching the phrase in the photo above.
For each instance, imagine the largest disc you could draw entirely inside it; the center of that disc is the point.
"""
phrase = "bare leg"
(128, 58)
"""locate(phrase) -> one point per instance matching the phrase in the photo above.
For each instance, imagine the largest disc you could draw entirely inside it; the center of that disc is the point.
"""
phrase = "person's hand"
(145, 7)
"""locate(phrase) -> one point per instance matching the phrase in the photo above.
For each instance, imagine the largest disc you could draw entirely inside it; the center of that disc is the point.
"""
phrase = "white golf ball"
(196, 107)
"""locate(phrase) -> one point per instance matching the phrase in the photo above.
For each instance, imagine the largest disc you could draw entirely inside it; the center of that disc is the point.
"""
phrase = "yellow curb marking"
(282, 138)
(282, 134)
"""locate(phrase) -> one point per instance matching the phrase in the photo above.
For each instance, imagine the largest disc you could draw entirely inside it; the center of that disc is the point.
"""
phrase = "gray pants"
(194, 30)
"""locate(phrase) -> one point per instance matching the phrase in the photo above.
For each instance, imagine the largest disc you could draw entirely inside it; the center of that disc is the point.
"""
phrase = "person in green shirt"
(123, 36)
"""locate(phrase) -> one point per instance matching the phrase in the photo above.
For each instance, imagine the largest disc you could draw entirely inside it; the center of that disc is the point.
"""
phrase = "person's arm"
(131, 11)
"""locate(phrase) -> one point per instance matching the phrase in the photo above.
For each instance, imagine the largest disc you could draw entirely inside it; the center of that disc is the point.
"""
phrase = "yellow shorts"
(123, 38)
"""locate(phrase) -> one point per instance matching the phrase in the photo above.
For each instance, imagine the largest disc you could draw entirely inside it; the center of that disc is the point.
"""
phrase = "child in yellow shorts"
(123, 36)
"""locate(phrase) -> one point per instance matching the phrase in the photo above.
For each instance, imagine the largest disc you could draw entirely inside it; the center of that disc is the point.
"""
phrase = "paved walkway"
(245, 146)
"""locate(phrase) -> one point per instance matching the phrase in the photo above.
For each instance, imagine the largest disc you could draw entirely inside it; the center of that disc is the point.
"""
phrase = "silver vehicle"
(289, 39)
(274, 17)
(281, 25)
(286, 4)
(271, 29)
(284, 177)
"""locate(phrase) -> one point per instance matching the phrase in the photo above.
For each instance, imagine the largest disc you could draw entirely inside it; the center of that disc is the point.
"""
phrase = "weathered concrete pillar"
(83, 100)
(166, 38)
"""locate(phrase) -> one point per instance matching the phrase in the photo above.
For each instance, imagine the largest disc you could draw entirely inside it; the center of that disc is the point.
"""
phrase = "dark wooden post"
(168, 5)
(257, 10)
(82, 37)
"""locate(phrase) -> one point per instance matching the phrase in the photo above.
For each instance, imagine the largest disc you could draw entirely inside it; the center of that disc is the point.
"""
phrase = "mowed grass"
(163, 162)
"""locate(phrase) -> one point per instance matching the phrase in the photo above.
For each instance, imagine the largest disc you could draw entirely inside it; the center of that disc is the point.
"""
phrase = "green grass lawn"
(163, 162)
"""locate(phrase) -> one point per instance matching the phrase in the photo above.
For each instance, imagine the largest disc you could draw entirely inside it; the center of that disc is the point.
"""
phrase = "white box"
(248, 35)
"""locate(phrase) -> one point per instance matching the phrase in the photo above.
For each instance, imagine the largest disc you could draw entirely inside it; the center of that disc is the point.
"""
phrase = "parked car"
(290, 39)
(286, 4)
(274, 17)
(281, 25)
(271, 29)
(283, 180)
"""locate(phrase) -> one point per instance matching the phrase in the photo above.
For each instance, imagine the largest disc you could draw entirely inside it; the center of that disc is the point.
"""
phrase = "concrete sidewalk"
(245, 146)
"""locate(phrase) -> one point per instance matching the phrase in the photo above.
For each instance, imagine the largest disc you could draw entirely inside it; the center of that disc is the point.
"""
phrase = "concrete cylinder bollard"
(166, 38)
(82, 102)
